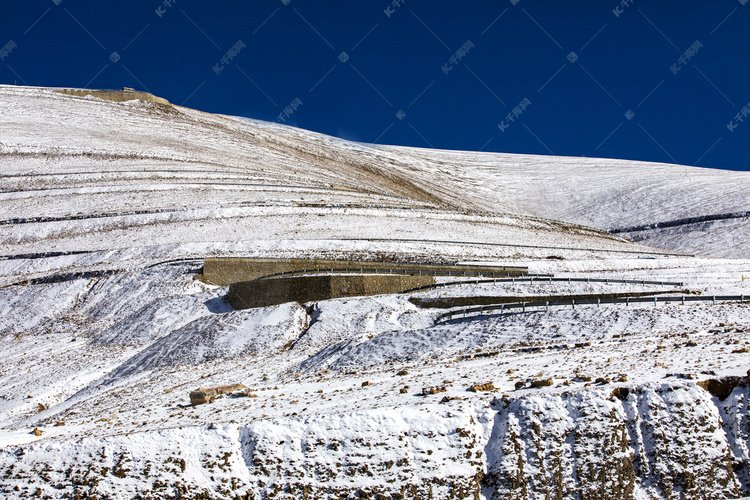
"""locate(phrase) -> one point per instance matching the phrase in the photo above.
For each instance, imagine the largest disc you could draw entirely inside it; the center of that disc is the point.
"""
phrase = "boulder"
(489, 386)
(202, 396)
(545, 382)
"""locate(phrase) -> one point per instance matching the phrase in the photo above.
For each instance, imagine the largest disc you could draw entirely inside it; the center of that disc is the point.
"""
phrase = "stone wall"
(261, 293)
(225, 271)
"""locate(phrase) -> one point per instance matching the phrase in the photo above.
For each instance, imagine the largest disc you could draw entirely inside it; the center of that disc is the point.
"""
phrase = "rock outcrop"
(660, 441)
(204, 395)
(656, 441)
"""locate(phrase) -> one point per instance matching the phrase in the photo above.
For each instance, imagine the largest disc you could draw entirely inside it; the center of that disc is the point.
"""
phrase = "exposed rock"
(620, 393)
(651, 443)
(546, 382)
(204, 395)
(661, 441)
(723, 387)
(37, 432)
(432, 390)
(489, 386)
(402, 373)
(228, 389)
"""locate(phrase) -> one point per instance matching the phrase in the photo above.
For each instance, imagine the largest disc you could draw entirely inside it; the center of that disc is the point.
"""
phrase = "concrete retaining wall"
(225, 271)
(267, 292)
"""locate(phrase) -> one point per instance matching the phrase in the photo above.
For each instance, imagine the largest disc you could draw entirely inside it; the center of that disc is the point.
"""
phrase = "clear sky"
(662, 81)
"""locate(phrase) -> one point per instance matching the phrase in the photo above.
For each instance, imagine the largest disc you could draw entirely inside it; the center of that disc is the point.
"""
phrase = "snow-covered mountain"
(182, 166)
(108, 208)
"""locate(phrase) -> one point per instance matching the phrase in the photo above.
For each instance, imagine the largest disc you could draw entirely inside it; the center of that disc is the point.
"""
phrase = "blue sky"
(657, 81)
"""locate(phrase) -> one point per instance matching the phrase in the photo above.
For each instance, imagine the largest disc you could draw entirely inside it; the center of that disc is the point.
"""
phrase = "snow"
(103, 364)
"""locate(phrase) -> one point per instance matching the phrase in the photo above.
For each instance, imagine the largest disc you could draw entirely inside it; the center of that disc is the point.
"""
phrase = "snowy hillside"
(184, 168)
(108, 209)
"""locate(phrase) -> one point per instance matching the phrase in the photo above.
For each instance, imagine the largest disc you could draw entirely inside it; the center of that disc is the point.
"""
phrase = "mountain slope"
(107, 210)
(123, 157)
